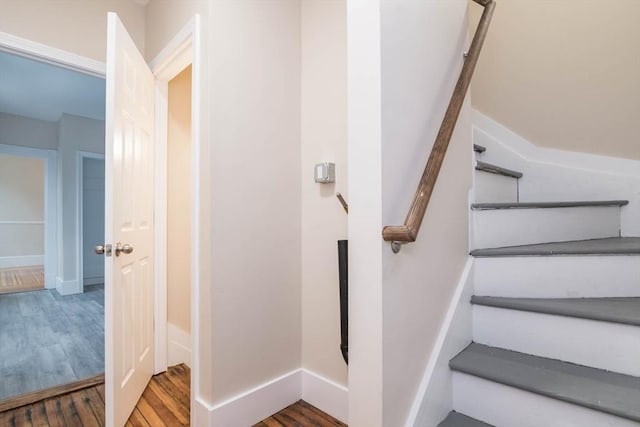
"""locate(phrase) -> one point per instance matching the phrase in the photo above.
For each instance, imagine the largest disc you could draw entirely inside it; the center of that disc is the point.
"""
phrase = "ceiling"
(563, 74)
(42, 91)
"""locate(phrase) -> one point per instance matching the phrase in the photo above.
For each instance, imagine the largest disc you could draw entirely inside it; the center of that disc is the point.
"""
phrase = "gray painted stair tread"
(608, 246)
(479, 148)
(597, 389)
(488, 167)
(543, 205)
(616, 310)
(456, 419)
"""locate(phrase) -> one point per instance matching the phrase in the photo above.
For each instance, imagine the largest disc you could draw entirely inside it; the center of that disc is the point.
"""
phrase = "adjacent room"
(51, 217)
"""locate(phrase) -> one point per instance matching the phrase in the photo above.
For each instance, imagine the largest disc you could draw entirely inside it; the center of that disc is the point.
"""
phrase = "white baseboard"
(21, 261)
(88, 281)
(179, 343)
(67, 287)
(265, 400)
(258, 403)
(325, 395)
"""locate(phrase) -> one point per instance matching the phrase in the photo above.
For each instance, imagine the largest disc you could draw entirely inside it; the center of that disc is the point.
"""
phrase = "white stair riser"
(504, 406)
(510, 227)
(558, 276)
(491, 187)
(559, 337)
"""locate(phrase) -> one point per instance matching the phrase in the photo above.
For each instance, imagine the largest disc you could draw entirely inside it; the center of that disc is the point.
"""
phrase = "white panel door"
(128, 221)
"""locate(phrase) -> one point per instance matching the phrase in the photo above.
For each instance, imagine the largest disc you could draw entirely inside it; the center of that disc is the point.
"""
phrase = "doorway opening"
(90, 219)
(179, 214)
(51, 334)
(23, 220)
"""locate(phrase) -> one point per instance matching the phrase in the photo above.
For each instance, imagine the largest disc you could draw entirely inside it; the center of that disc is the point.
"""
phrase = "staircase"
(556, 326)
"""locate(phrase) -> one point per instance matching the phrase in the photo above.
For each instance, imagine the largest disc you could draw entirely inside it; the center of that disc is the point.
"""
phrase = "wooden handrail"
(409, 231)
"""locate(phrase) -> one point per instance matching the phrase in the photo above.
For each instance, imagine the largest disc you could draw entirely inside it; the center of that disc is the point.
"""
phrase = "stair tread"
(488, 167)
(605, 391)
(616, 310)
(479, 148)
(456, 419)
(543, 205)
(606, 246)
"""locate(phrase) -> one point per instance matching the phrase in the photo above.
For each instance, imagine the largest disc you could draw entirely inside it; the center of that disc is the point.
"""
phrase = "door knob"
(125, 249)
(103, 250)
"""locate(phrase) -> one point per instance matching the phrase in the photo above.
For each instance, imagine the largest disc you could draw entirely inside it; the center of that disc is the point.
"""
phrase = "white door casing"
(128, 220)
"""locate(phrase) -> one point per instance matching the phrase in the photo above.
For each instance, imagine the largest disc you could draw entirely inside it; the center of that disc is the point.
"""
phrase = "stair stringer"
(434, 398)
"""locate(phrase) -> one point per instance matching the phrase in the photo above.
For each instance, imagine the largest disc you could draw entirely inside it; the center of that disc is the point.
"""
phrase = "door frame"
(50, 158)
(187, 44)
(80, 156)
(183, 50)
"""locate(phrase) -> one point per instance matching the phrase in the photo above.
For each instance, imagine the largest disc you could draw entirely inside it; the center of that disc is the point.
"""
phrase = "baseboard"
(325, 395)
(256, 404)
(179, 343)
(67, 287)
(434, 398)
(21, 261)
(259, 403)
(88, 281)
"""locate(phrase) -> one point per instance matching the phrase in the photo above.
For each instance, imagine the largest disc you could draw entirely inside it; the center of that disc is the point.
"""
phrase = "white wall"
(365, 212)
(77, 26)
(255, 192)
(164, 18)
(74, 134)
(420, 47)
(21, 207)
(92, 220)
(324, 134)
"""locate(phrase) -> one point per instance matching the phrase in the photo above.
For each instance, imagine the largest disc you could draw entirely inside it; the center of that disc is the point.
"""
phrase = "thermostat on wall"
(325, 173)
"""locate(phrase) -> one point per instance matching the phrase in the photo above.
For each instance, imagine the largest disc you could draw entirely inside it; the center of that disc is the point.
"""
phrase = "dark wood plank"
(163, 411)
(26, 399)
(180, 377)
(39, 415)
(301, 414)
(167, 400)
(96, 402)
(69, 412)
(178, 394)
(54, 413)
(84, 410)
(137, 420)
(149, 413)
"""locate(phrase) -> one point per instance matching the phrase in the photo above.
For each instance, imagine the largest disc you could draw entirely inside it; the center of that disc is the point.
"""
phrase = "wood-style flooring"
(164, 403)
(300, 414)
(19, 279)
(47, 339)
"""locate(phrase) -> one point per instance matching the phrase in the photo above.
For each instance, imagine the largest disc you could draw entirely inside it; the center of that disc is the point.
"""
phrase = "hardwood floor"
(19, 279)
(300, 414)
(166, 400)
(164, 403)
